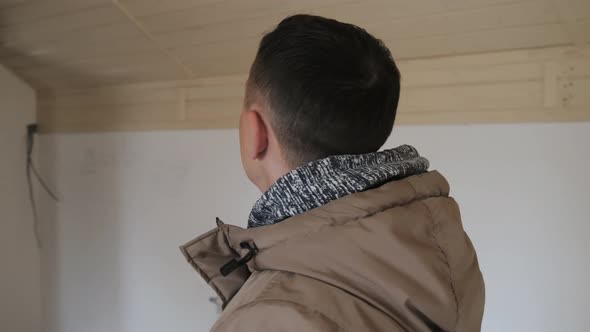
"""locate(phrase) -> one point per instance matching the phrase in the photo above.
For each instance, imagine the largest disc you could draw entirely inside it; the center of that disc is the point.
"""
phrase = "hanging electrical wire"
(32, 170)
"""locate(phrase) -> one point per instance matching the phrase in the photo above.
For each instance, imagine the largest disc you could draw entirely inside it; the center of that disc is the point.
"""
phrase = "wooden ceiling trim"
(467, 117)
(447, 77)
(516, 86)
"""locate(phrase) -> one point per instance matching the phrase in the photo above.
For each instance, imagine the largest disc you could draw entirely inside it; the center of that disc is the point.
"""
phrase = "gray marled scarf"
(322, 181)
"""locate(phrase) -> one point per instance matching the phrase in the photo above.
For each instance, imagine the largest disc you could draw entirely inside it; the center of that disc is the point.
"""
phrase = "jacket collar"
(287, 246)
(322, 181)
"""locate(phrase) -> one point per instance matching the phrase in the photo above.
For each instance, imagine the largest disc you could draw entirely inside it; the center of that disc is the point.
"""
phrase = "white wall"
(129, 199)
(19, 257)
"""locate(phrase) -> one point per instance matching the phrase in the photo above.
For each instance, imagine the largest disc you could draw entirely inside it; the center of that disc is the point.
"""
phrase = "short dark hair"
(332, 88)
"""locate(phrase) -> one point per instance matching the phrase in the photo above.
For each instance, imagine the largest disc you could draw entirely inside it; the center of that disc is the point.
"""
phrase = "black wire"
(30, 167)
(33, 204)
(40, 179)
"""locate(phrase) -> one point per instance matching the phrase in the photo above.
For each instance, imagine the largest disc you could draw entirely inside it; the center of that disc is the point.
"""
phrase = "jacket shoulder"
(283, 301)
(275, 315)
(265, 303)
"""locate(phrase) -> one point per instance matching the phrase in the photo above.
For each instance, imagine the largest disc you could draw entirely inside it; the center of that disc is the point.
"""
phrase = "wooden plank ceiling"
(455, 55)
(543, 85)
(57, 44)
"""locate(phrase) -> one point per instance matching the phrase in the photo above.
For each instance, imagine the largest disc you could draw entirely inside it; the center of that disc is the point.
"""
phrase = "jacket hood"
(399, 247)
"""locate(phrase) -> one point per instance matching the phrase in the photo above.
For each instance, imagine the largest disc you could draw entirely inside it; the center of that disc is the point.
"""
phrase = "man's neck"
(272, 174)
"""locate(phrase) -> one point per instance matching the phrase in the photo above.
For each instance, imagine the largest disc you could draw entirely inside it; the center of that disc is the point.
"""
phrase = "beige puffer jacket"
(394, 258)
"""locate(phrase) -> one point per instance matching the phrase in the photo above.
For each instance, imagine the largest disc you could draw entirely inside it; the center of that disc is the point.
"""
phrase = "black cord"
(32, 170)
(31, 166)
(33, 205)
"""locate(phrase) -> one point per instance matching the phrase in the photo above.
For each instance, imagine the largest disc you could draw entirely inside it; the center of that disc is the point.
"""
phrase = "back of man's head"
(331, 88)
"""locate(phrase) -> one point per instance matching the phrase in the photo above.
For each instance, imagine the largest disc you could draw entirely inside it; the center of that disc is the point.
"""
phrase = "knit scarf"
(322, 181)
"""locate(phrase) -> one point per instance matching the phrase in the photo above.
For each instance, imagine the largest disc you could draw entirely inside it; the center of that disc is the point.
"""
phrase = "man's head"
(318, 87)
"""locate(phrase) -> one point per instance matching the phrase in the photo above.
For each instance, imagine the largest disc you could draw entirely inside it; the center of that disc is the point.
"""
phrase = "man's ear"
(258, 133)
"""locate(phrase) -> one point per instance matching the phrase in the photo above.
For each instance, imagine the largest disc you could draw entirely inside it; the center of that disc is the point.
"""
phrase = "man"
(344, 238)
